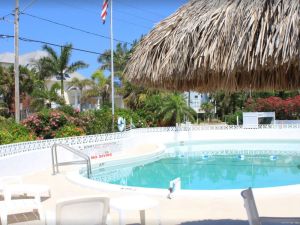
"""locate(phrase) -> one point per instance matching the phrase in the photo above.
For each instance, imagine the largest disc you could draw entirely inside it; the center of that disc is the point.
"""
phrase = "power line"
(98, 13)
(28, 6)
(143, 10)
(132, 14)
(48, 43)
(4, 17)
(73, 28)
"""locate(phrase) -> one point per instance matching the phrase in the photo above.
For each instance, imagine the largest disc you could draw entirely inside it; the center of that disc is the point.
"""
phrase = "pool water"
(203, 171)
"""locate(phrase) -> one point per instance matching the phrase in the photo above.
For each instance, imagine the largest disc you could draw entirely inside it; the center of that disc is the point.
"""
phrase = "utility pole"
(112, 65)
(16, 65)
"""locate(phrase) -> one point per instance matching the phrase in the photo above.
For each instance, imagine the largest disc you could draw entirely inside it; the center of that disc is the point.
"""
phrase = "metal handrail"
(86, 159)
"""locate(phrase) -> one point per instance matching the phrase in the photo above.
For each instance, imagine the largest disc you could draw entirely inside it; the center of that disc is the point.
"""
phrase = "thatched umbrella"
(228, 45)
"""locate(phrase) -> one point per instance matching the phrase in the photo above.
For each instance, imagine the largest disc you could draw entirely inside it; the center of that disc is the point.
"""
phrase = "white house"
(195, 100)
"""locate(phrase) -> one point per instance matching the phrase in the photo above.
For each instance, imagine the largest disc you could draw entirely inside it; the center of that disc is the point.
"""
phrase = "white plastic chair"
(8, 180)
(15, 206)
(82, 210)
(15, 185)
(253, 216)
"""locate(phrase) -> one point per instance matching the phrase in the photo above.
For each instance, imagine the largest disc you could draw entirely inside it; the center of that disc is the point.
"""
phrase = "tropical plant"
(235, 118)
(284, 108)
(207, 107)
(44, 124)
(11, 132)
(99, 88)
(152, 108)
(134, 96)
(121, 57)
(81, 85)
(69, 130)
(175, 110)
(100, 121)
(40, 68)
(42, 96)
(7, 85)
(59, 65)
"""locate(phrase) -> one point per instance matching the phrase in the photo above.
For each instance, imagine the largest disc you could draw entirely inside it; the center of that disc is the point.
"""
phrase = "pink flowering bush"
(44, 124)
(284, 108)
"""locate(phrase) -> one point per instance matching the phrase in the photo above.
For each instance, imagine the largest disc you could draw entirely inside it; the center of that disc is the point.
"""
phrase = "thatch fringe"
(230, 45)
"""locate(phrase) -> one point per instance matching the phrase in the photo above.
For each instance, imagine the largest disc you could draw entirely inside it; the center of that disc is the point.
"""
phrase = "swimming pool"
(211, 165)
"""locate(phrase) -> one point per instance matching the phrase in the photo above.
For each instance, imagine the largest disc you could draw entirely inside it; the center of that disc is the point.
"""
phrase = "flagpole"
(112, 65)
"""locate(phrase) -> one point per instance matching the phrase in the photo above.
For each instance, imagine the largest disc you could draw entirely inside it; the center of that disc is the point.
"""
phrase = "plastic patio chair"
(15, 206)
(8, 180)
(253, 216)
(82, 210)
(15, 185)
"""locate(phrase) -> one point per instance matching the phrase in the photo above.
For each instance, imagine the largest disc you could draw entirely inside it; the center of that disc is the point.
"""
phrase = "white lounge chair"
(253, 216)
(8, 180)
(16, 187)
(81, 210)
(15, 206)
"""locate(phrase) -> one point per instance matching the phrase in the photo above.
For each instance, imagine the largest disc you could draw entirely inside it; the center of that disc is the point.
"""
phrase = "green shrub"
(69, 131)
(11, 132)
(231, 119)
(69, 110)
(5, 137)
(129, 116)
(100, 121)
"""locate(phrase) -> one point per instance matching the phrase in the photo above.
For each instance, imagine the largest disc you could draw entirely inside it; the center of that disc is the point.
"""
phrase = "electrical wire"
(48, 43)
(98, 13)
(28, 6)
(4, 17)
(73, 28)
(143, 10)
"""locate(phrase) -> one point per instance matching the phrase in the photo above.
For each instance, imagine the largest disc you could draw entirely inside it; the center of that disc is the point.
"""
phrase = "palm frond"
(51, 52)
(65, 56)
(76, 66)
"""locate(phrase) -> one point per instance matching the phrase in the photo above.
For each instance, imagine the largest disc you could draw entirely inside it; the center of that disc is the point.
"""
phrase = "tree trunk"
(62, 86)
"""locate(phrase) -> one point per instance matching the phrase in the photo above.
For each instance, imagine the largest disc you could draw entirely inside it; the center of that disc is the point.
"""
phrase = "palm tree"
(175, 109)
(41, 70)
(41, 96)
(81, 85)
(7, 85)
(59, 65)
(207, 108)
(121, 57)
(99, 87)
(134, 96)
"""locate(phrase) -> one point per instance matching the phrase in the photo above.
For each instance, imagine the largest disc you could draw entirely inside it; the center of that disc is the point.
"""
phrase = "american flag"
(104, 10)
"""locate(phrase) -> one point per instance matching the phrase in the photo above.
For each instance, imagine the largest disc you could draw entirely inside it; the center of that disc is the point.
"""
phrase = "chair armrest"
(50, 217)
(108, 219)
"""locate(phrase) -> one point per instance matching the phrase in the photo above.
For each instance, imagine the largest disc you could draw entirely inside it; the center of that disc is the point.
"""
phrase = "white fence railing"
(84, 142)
(80, 142)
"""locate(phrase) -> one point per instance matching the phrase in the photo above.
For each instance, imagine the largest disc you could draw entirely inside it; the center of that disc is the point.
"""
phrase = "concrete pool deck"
(204, 208)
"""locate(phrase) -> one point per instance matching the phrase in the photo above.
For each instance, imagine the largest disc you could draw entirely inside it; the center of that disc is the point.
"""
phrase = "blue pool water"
(212, 166)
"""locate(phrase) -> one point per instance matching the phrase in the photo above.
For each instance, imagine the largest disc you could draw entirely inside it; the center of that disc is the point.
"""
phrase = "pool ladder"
(55, 164)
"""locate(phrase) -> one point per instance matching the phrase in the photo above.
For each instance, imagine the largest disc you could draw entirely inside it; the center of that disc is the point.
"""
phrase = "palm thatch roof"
(228, 45)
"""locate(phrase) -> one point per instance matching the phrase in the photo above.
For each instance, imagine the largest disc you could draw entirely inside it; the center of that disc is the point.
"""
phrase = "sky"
(131, 19)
